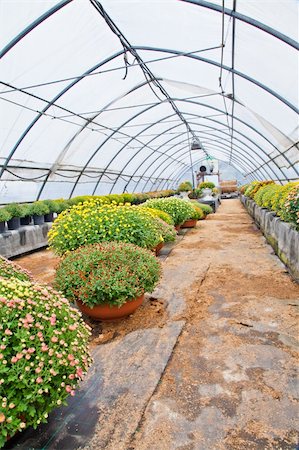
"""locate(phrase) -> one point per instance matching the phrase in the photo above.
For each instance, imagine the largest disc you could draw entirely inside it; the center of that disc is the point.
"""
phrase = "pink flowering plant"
(43, 353)
(10, 269)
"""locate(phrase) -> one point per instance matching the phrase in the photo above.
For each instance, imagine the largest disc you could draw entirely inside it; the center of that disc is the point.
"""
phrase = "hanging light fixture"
(196, 144)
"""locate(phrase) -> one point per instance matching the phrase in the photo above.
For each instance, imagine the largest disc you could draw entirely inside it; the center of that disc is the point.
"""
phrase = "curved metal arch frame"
(199, 3)
(33, 25)
(239, 162)
(109, 137)
(224, 67)
(178, 176)
(247, 19)
(186, 154)
(176, 126)
(115, 55)
(82, 77)
(88, 121)
(223, 112)
(202, 104)
(51, 103)
(132, 139)
(257, 168)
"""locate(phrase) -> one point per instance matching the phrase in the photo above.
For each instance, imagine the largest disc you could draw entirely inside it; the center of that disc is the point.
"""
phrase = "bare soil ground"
(231, 382)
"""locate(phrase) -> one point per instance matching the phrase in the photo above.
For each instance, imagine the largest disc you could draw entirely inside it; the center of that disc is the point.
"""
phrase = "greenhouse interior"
(149, 225)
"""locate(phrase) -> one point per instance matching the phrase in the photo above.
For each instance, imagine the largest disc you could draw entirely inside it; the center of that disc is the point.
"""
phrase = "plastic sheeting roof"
(100, 97)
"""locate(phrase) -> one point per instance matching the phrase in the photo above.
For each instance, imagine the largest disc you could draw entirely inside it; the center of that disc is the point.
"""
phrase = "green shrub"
(206, 185)
(243, 188)
(93, 222)
(180, 210)
(15, 210)
(43, 353)
(185, 187)
(207, 209)
(195, 193)
(4, 215)
(198, 213)
(39, 208)
(107, 273)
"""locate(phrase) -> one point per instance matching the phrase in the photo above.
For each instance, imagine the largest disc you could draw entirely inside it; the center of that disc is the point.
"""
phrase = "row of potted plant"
(147, 225)
(16, 215)
(43, 339)
(281, 199)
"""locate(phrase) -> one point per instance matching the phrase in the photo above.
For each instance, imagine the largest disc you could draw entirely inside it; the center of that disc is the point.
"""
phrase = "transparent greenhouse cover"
(107, 96)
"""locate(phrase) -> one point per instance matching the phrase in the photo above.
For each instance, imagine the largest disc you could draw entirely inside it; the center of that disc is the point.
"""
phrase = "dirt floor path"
(218, 339)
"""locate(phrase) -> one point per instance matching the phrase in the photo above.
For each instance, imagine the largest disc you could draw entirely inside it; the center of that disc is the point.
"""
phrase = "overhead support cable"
(249, 20)
(228, 69)
(114, 69)
(233, 76)
(147, 72)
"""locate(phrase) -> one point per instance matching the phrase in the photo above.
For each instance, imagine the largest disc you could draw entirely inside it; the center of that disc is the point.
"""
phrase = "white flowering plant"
(43, 352)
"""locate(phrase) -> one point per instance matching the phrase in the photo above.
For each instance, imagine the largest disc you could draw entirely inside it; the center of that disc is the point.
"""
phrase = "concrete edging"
(280, 235)
(26, 239)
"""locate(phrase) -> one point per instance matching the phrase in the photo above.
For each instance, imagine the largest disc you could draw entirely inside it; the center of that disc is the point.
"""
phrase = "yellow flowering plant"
(93, 222)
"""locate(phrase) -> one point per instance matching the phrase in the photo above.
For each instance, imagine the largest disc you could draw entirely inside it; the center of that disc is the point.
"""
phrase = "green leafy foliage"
(206, 185)
(195, 193)
(39, 208)
(15, 210)
(4, 215)
(180, 210)
(107, 273)
(207, 209)
(185, 187)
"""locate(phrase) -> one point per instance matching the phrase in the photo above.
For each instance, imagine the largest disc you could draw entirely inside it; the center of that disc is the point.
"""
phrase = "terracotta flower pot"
(107, 312)
(177, 227)
(190, 223)
(158, 248)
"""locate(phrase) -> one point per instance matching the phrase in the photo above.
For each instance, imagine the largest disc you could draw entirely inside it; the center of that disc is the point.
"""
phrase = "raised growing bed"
(24, 240)
(280, 235)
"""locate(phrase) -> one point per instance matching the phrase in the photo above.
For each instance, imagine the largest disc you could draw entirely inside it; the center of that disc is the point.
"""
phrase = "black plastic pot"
(49, 217)
(2, 227)
(14, 223)
(38, 220)
(25, 220)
